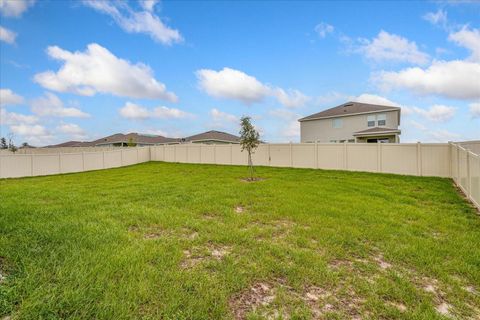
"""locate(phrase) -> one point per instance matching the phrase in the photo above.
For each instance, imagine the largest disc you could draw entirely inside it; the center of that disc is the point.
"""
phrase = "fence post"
(379, 156)
(215, 153)
(31, 163)
(83, 161)
(121, 157)
(269, 156)
(231, 153)
(419, 159)
(450, 159)
(137, 153)
(316, 154)
(59, 163)
(469, 180)
(291, 155)
(345, 156)
(103, 159)
(175, 152)
(458, 163)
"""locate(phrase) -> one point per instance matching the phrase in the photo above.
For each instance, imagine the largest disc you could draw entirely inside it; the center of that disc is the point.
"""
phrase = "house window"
(371, 121)
(382, 119)
(337, 123)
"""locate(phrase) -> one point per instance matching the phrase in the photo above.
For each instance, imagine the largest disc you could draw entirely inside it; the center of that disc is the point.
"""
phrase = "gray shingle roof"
(376, 130)
(214, 135)
(348, 108)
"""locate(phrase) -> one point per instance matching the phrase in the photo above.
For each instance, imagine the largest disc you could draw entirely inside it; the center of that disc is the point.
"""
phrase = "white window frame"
(382, 117)
(371, 119)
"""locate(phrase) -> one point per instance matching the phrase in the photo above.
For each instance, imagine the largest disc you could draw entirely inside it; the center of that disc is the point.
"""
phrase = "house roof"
(135, 137)
(213, 135)
(349, 108)
(375, 130)
(69, 144)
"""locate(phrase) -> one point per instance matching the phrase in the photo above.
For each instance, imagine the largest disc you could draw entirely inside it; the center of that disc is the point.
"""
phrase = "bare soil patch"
(254, 179)
(197, 255)
(259, 294)
(239, 209)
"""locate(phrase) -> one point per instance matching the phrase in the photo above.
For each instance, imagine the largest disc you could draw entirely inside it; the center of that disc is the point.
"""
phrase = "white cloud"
(453, 79)
(474, 109)
(8, 97)
(330, 97)
(97, 70)
(391, 47)
(14, 8)
(470, 39)
(148, 5)
(437, 113)
(292, 99)
(51, 105)
(72, 130)
(436, 18)
(234, 84)
(7, 36)
(34, 134)
(133, 21)
(12, 118)
(442, 135)
(376, 99)
(289, 127)
(224, 120)
(322, 29)
(135, 112)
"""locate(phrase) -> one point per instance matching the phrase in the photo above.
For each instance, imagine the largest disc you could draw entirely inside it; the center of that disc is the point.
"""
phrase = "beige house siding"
(322, 130)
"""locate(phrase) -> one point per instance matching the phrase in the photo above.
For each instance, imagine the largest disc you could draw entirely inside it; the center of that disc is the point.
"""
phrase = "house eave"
(350, 114)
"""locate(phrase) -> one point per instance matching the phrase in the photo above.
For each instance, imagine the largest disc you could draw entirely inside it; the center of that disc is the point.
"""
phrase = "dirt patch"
(254, 179)
(209, 216)
(152, 235)
(259, 294)
(340, 299)
(442, 306)
(399, 306)
(239, 209)
(381, 262)
(190, 260)
(197, 255)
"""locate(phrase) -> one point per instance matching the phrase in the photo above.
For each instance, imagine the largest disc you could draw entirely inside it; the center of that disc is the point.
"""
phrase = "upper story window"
(382, 119)
(379, 120)
(337, 123)
(371, 121)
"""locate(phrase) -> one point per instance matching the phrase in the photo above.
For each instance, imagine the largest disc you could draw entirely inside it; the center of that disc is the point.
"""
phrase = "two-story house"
(352, 122)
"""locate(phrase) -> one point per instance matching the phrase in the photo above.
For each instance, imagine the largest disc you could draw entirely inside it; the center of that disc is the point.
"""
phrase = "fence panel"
(208, 153)
(400, 159)
(113, 159)
(223, 154)
(239, 157)
(261, 155)
(144, 154)
(93, 161)
(45, 164)
(303, 155)
(475, 179)
(362, 157)
(435, 160)
(280, 155)
(193, 153)
(13, 166)
(181, 153)
(331, 156)
(71, 162)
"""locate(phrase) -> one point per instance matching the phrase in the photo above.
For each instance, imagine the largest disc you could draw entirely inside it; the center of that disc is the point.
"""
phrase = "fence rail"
(451, 160)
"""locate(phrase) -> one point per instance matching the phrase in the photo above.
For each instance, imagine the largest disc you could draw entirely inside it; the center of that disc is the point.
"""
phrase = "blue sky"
(79, 70)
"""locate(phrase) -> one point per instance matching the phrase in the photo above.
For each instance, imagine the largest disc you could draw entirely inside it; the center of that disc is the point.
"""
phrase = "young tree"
(131, 142)
(249, 140)
(3, 143)
(11, 146)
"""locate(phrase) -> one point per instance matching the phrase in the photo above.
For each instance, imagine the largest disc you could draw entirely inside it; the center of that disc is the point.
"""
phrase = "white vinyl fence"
(22, 165)
(419, 159)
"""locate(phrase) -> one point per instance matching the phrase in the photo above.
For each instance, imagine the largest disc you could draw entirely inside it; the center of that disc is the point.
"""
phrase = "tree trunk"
(250, 164)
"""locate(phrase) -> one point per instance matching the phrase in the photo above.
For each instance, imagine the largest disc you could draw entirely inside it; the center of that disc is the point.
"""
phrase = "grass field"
(180, 241)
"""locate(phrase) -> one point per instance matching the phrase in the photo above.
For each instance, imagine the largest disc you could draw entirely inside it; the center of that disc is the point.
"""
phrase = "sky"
(81, 70)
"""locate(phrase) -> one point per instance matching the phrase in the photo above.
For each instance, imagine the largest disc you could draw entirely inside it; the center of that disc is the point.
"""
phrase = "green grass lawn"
(180, 241)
